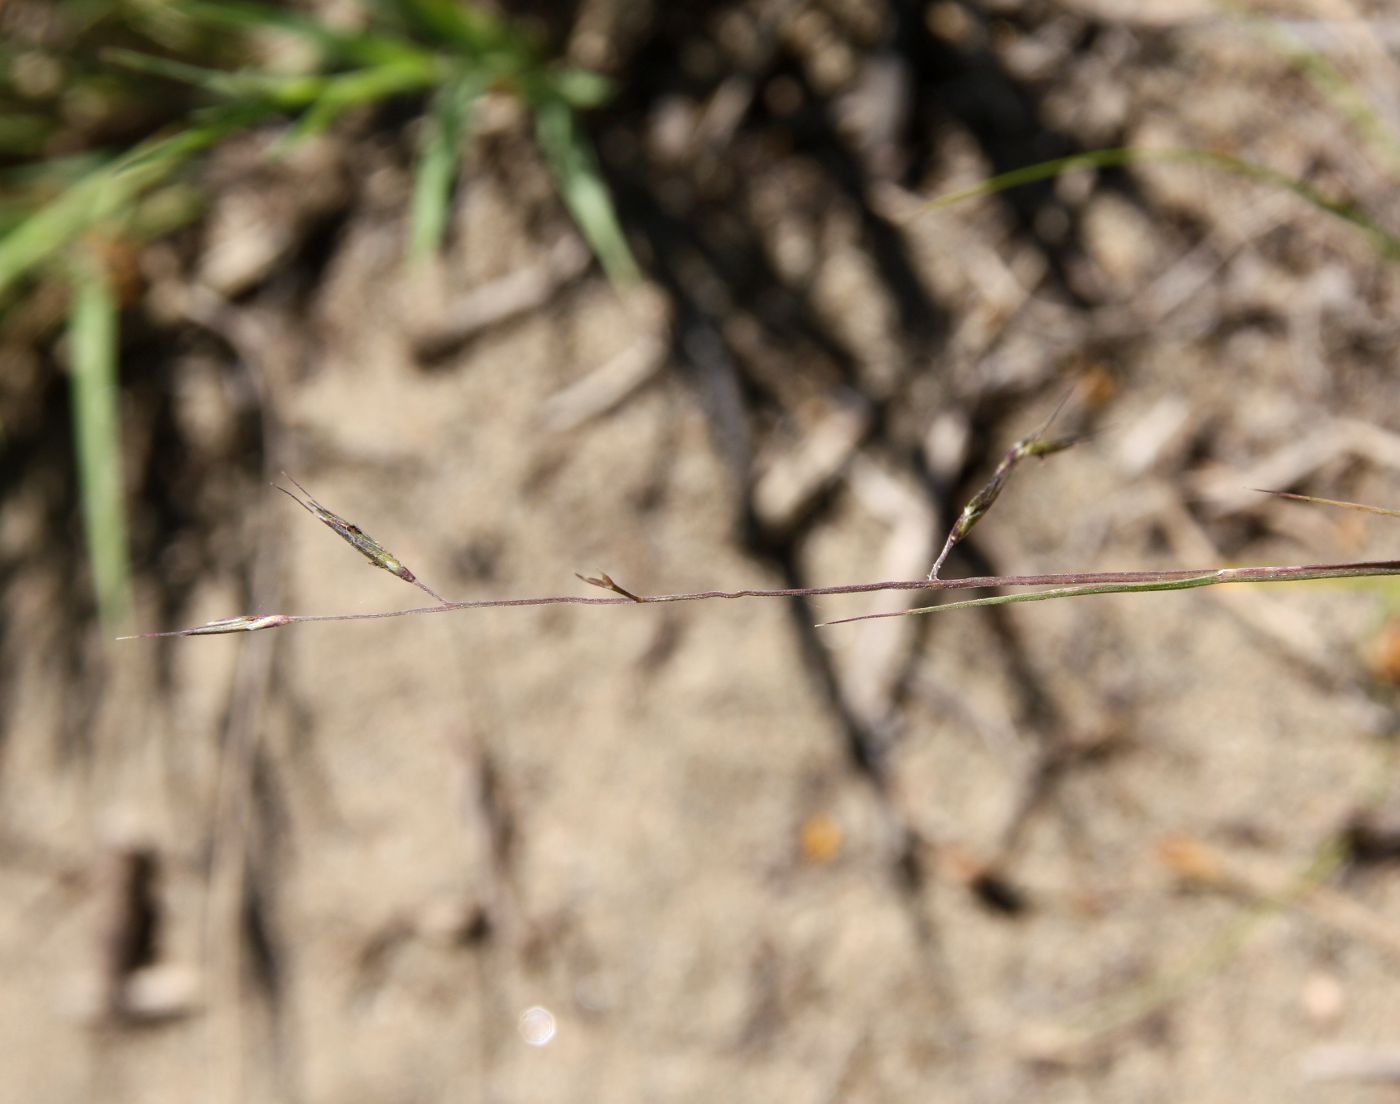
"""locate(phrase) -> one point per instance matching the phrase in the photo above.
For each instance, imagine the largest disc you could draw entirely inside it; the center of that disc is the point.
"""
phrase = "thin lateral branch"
(1066, 585)
(1037, 445)
(605, 581)
(358, 539)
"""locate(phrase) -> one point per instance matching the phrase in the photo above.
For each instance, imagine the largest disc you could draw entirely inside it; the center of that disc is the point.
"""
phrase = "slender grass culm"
(1059, 585)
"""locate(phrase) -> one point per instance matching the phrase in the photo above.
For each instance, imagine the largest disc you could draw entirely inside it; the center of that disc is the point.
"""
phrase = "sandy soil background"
(1136, 847)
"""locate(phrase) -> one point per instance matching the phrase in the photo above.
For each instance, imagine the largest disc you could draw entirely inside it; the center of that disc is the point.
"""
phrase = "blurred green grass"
(95, 399)
(119, 100)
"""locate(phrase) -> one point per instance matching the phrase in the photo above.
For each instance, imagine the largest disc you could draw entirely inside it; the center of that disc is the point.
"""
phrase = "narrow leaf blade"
(92, 338)
(582, 188)
(446, 130)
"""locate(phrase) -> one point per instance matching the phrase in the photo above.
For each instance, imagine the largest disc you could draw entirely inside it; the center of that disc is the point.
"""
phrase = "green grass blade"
(445, 134)
(468, 26)
(1075, 592)
(368, 86)
(1219, 577)
(581, 89)
(58, 223)
(1332, 83)
(359, 46)
(285, 91)
(52, 174)
(581, 185)
(92, 350)
(1044, 596)
(1387, 242)
(108, 192)
(215, 81)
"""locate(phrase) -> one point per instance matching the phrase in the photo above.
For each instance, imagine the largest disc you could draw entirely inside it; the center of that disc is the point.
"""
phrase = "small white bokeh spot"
(537, 1026)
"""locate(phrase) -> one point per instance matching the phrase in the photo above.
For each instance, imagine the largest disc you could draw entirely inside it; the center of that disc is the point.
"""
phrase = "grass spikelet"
(358, 539)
